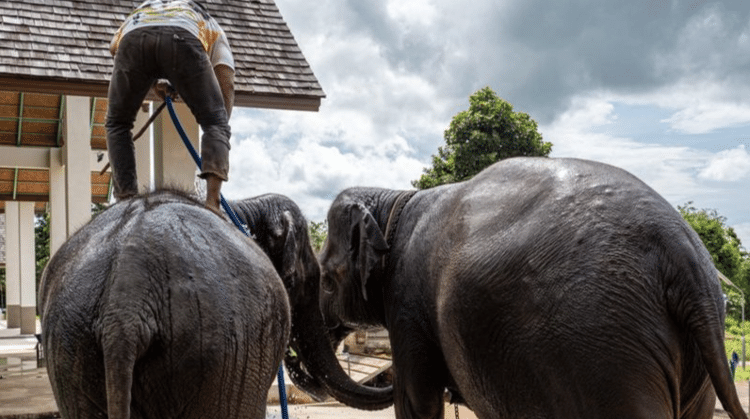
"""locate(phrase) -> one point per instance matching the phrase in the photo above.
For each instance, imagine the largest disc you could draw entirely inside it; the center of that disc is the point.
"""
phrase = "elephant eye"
(327, 284)
(354, 242)
(332, 275)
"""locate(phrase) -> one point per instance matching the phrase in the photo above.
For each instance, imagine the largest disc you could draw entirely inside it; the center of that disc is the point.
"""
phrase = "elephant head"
(354, 258)
(281, 231)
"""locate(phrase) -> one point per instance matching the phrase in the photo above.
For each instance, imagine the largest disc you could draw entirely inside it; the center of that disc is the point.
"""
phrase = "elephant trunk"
(311, 342)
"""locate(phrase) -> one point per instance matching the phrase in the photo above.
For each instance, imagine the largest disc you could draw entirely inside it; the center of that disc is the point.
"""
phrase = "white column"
(27, 265)
(76, 151)
(173, 165)
(12, 267)
(143, 155)
(58, 229)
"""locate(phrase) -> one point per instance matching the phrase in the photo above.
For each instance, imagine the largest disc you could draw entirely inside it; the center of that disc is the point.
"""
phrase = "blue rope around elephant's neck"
(236, 221)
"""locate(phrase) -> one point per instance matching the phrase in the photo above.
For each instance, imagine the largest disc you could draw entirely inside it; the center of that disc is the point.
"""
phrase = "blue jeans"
(163, 52)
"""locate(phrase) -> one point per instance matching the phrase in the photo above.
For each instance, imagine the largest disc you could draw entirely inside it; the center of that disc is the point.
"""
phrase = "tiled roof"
(62, 46)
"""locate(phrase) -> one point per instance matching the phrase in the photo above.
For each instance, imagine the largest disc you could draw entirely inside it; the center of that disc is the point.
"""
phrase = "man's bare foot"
(215, 208)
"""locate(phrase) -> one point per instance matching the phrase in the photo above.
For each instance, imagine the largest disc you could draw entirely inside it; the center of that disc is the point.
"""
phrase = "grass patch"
(733, 344)
(742, 375)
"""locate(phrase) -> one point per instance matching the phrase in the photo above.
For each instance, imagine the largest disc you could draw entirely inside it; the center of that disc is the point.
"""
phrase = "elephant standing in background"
(541, 288)
(157, 308)
(280, 229)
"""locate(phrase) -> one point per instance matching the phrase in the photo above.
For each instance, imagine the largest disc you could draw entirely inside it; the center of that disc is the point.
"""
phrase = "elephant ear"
(372, 245)
(289, 250)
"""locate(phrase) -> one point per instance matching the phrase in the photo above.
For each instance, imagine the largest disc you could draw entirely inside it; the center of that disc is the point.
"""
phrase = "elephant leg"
(73, 399)
(702, 404)
(419, 381)
(418, 399)
(80, 406)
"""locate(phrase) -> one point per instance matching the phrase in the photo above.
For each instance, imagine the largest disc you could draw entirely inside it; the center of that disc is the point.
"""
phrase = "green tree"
(3, 301)
(487, 132)
(41, 239)
(318, 233)
(725, 249)
(98, 208)
(41, 244)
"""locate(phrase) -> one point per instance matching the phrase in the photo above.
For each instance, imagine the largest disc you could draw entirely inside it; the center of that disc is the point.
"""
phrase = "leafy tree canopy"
(41, 244)
(42, 238)
(726, 250)
(487, 132)
(318, 233)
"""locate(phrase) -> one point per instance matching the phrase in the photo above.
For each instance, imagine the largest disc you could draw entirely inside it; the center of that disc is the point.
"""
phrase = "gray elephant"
(541, 288)
(157, 308)
(280, 229)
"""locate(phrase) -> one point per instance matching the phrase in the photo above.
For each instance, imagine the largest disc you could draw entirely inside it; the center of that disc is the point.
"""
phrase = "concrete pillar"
(173, 165)
(12, 267)
(58, 229)
(75, 153)
(27, 264)
(20, 266)
(143, 154)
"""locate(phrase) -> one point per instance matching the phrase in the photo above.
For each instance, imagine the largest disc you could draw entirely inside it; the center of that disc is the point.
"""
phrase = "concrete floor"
(28, 394)
(341, 412)
(25, 390)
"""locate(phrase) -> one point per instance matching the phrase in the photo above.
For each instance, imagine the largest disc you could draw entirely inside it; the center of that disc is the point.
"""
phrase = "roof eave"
(75, 87)
(51, 85)
(291, 102)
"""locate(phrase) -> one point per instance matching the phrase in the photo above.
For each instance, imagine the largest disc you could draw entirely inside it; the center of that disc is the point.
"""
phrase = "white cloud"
(670, 170)
(743, 232)
(376, 126)
(679, 173)
(711, 41)
(698, 105)
(310, 159)
(396, 72)
(416, 12)
(728, 165)
(708, 117)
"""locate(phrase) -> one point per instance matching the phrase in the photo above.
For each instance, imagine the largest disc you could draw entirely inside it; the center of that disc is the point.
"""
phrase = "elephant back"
(188, 312)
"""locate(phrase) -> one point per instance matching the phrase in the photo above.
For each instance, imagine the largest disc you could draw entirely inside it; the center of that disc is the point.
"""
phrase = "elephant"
(280, 229)
(540, 288)
(107, 295)
(159, 308)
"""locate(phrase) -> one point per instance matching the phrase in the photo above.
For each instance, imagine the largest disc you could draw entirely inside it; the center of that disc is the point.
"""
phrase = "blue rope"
(236, 221)
(197, 158)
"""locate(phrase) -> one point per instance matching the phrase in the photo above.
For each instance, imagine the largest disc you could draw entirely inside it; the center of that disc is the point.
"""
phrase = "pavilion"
(55, 67)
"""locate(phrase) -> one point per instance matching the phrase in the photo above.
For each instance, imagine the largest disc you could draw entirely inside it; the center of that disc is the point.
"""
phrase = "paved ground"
(340, 412)
(25, 391)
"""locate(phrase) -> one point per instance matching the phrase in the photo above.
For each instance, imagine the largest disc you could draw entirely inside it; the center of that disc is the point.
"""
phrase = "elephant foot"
(452, 396)
(216, 210)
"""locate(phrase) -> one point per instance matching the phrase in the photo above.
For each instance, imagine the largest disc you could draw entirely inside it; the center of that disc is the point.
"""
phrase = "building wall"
(2, 239)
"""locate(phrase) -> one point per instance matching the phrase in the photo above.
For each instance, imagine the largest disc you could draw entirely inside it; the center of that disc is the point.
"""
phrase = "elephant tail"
(123, 343)
(704, 317)
(711, 345)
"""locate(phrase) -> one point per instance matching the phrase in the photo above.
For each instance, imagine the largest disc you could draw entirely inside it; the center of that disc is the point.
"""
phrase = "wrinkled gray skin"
(281, 231)
(541, 288)
(158, 308)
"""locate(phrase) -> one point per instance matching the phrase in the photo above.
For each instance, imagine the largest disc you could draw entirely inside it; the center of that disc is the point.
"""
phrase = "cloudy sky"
(658, 87)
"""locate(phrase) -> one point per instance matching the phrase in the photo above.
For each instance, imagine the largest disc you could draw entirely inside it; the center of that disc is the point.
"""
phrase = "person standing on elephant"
(179, 41)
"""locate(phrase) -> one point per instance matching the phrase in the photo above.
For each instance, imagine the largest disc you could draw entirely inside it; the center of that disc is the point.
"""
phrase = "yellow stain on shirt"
(207, 36)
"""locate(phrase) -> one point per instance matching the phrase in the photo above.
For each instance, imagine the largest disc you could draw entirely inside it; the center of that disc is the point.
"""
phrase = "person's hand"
(163, 88)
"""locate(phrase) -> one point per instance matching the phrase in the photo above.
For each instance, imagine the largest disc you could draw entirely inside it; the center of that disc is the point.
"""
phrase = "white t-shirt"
(184, 14)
